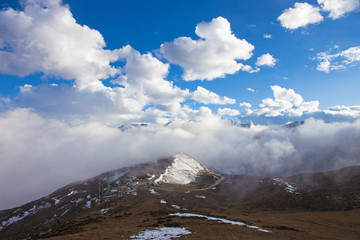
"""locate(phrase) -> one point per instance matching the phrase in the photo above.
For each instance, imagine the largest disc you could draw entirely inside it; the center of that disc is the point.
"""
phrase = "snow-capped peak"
(183, 170)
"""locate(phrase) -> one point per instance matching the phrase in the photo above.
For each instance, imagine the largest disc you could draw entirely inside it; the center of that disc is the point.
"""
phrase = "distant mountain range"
(178, 195)
(126, 127)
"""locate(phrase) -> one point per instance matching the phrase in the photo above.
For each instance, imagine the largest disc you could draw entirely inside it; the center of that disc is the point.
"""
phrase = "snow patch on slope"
(19, 217)
(220, 220)
(164, 233)
(183, 170)
(289, 188)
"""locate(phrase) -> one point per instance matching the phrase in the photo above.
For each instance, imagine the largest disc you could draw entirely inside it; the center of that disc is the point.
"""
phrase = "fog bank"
(40, 155)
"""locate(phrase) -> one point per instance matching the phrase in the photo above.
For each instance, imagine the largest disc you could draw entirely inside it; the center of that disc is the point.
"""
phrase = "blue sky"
(146, 25)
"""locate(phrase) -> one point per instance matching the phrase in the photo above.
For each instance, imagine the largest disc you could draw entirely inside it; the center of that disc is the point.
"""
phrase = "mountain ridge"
(133, 190)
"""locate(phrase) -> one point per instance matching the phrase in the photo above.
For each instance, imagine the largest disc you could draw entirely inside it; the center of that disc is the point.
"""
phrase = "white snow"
(72, 192)
(164, 233)
(289, 188)
(152, 191)
(104, 210)
(183, 170)
(12, 220)
(66, 211)
(45, 205)
(77, 200)
(57, 201)
(51, 220)
(199, 196)
(221, 220)
(163, 201)
(88, 204)
(178, 207)
(19, 217)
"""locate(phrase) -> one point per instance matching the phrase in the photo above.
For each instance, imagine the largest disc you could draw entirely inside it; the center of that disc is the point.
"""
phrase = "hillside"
(178, 195)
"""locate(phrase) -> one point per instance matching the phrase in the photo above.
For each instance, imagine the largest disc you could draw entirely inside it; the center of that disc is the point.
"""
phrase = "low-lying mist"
(40, 155)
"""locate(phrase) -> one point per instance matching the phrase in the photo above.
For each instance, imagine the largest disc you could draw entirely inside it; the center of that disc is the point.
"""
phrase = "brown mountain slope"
(306, 206)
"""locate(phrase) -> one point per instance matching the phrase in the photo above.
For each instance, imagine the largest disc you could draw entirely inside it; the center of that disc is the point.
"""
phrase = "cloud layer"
(69, 153)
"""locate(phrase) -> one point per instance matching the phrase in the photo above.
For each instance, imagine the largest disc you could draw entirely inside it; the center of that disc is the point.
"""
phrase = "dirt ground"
(283, 225)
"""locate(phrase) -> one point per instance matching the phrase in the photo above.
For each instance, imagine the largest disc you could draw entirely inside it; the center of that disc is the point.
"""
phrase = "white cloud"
(324, 62)
(142, 84)
(203, 95)
(144, 95)
(4, 103)
(250, 90)
(338, 8)
(301, 15)
(213, 55)
(285, 102)
(27, 88)
(266, 35)
(350, 111)
(228, 112)
(71, 153)
(46, 38)
(245, 104)
(144, 81)
(339, 60)
(351, 55)
(266, 60)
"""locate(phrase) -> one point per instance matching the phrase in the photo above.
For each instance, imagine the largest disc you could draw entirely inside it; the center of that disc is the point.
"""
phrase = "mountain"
(179, 197)
(127, 127)
(293, 124)
(183, 170)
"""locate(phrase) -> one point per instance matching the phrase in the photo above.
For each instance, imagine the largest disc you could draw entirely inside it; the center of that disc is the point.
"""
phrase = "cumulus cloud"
(266, 60)
(328, 61)
(266, 35)
(245, 104)
(338, 8)
(285, 102)
(250, 89)
(71, 152)
(301, 15)
(214, 55)
(143, 84)
(228, 112)
(203, 95)
(144, 94)
(351, 111)
(46, 38)
(144, 81)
